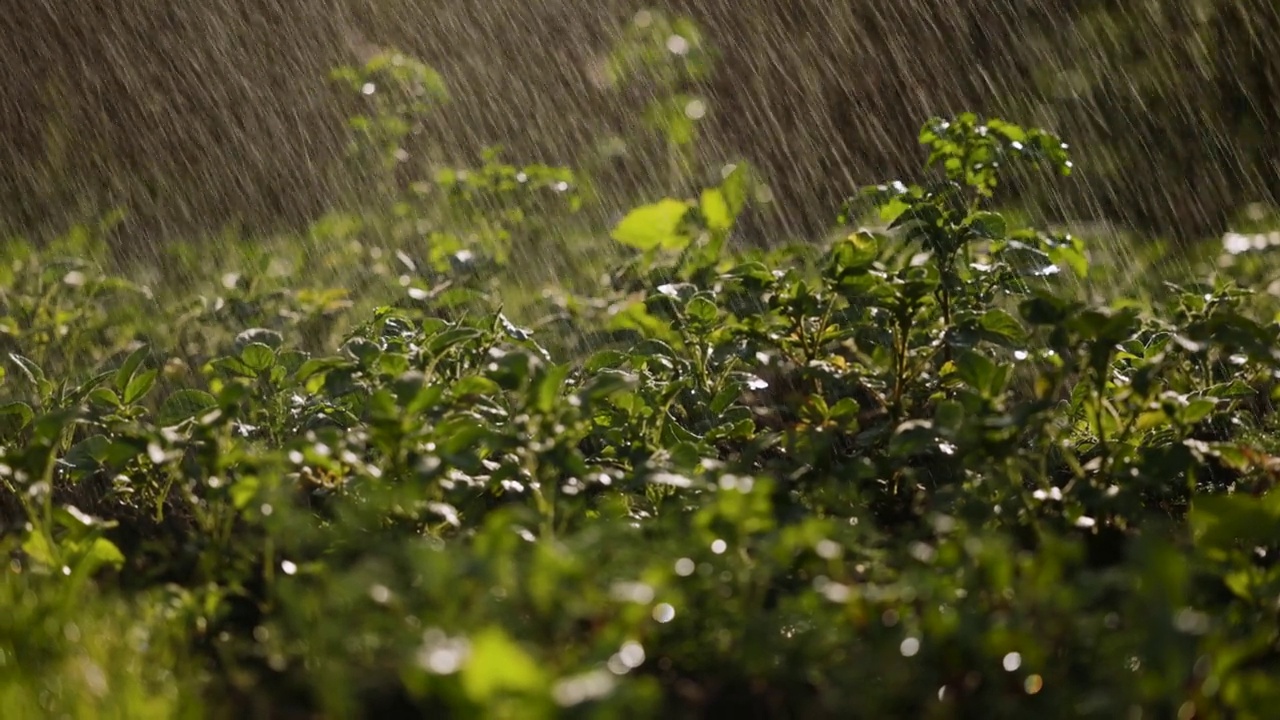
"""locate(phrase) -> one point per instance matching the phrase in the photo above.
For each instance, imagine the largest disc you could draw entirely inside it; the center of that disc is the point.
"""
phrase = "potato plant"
(908, 473)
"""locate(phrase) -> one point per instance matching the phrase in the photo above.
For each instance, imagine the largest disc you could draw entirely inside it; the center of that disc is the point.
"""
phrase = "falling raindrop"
(632, 654)
(1012, 661)
(664, 612)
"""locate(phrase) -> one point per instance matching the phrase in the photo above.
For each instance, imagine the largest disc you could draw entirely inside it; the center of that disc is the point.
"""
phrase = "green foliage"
(398, 93)
(668, 57)
(1193, 79)
(911, 472)
(697, 229)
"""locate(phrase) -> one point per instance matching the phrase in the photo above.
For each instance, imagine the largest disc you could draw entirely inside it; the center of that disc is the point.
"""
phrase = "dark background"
(196, 116)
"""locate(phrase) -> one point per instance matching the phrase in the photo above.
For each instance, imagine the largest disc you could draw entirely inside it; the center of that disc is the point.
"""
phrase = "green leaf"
(29, 369)
(258, 357)
(949, 417)
(1236, 388)
(234, 366)
(726, 397)
(702, 310)
(452, 337)
(912, 438)
(105, 396)
(475, 385)
(498, 665)
(815, 410)
(460, 433)
(514, 370)
(715, 210)
(290, 361)
(1002, 325)
(259, 336)
(605, 383)
(184, 405)
(1045, 309)
(414, 394)
(1223, 522)
(15, 416)
(50, 426)
(855, 253)
(318, 367)
(736, 188)
(547, 387)
(139, 386)
(244, 491)
(85, 389)
(88, 454)
(102, 552)
(988, 225)
(1240, 583)
(605, 359)
(918, 216)
(36, 546)
(636, 317)
(392, 364)
(1072, 258)
(979, 372)
(654, 226)
(845, 411)
(1028, 260)
(512, 330)
(1197, 410)
(892, 210)
(130, 366)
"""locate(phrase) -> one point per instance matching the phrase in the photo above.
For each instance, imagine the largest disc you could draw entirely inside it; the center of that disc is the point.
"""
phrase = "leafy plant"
(667, 57)
(910, 472)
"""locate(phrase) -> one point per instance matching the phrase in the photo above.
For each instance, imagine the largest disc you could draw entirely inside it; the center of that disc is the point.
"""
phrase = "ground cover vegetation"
(457, 451)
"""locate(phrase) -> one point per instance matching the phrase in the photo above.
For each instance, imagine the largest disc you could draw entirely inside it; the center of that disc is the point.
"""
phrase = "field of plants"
(461, 451)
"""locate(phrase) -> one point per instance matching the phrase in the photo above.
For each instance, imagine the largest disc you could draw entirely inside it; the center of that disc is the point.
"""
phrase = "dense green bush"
(916, 472)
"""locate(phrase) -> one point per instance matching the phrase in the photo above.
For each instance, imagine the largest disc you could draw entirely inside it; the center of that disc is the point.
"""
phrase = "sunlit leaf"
(129, 367)
(715, 210)
(498, 665)
(139, 386)
(654, 226)
(258, 357)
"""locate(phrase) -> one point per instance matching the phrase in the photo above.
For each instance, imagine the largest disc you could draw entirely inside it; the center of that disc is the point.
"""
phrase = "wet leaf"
(702, 311)
(139, 386)
(260, 336)
(258, 357)
(15, 416)
(988, 225)
(129, 367)
(980, 372)
(451, 338)
(184, 405)
(855, 253)
(1003, 327)
(715, 210)
(655, 226)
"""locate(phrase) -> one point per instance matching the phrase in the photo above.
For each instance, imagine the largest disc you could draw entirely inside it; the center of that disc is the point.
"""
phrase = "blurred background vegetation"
(203, 116)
